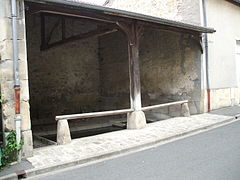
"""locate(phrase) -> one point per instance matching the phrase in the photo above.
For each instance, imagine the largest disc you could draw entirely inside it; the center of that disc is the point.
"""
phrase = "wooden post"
(134, 31)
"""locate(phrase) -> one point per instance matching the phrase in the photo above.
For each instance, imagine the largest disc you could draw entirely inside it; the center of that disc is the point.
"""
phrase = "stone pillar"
(63, 132)
(7, 75)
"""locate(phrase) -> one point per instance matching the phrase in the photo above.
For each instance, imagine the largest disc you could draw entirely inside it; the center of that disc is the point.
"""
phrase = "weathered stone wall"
(6, 73)
(179, 10)
(64, 79)
(169, 65)
(114, 71)
(170, 68)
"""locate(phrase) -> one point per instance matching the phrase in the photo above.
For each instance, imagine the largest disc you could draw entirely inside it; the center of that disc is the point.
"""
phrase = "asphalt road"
(212, 155)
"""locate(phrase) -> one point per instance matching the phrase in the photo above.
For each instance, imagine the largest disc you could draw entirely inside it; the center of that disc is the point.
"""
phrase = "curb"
(12, 176)
(34, 172)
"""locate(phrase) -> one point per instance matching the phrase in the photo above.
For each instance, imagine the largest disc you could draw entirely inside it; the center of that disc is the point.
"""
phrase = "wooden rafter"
(92, 34)
(45, 39)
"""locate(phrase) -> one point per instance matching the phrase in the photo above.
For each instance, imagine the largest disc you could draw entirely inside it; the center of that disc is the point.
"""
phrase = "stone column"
(7, 75)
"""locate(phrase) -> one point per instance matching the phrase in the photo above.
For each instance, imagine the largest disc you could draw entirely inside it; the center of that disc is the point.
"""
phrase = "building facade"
(223, 52)
(92, 75)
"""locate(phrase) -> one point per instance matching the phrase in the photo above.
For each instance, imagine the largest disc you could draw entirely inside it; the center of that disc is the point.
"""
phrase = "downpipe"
(17, 88)
(206, 56)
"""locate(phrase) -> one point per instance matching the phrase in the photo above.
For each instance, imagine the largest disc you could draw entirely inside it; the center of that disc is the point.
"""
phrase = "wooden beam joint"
(46, 39)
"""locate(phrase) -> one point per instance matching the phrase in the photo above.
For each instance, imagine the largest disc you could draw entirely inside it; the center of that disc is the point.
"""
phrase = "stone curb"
(34, 172)
(12, 176)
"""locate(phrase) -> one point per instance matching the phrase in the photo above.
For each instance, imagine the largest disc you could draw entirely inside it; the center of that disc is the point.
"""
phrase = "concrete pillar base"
(27, 150)
(136, 120)
(185, 110)
(63, 132)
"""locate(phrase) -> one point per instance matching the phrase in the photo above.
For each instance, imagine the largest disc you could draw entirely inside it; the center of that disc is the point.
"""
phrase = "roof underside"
(115, 15)
(237, 1)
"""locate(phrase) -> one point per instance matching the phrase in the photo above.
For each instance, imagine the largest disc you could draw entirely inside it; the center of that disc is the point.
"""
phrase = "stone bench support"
(185, 110)
(63, 132)
(136, 120)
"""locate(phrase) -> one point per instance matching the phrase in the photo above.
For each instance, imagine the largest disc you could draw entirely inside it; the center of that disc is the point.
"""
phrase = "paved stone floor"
(99, 145)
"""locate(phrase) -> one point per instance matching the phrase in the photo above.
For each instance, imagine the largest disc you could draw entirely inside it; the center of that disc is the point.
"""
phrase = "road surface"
(211, 155)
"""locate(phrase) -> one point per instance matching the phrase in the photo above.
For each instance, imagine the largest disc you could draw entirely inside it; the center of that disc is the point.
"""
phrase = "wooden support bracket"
(46, 39)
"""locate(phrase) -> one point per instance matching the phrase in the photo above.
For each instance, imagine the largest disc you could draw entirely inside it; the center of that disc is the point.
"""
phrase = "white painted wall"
(238, 64)
(225, 18)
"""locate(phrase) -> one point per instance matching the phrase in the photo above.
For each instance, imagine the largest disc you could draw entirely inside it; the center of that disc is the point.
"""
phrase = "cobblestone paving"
(98, 145)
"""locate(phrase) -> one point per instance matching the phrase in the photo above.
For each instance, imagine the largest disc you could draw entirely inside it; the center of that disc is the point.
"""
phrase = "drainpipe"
(206, 55)
(16, 72)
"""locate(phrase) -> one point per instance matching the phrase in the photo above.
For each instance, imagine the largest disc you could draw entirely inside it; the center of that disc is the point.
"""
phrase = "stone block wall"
(6, 73)
(114, 73)
(169, 66)
(63, 79)
(178, 10)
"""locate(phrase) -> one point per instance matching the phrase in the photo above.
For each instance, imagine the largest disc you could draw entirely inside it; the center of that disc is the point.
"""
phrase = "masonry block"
(27, 150)
(185, 110)
(6, 70)
(6, 29)
(136, 120)
(6, 10)
(6, 50)
(8, 113)
(25, 115)
(7, 91)
(63, 132)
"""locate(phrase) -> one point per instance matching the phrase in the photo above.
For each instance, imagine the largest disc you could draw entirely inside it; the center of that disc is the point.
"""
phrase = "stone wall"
(63, 79)
(179, 10)
(170, 68)
(169, 65)
(114, 71)
(6, 73)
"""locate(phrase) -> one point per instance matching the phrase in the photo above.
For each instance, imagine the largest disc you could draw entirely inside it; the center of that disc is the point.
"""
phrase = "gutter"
(17, 87)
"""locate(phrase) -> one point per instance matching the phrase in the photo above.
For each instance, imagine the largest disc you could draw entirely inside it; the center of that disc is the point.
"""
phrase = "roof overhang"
(236, 2)
(110, 15)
